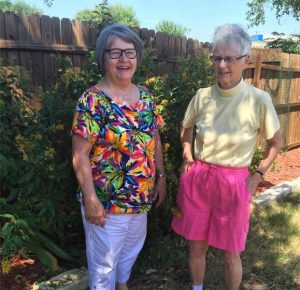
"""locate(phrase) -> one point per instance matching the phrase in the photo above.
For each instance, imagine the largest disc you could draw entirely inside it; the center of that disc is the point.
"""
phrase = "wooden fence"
(37, 43)
(279, 74)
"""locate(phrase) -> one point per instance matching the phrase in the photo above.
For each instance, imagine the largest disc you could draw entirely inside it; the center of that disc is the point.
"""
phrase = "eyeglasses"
(116, 53)
(227, 59)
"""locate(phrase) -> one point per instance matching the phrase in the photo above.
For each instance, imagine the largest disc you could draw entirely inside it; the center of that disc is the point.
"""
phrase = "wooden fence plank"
(46, 30)
(12, 34)
(183, 47)
(25, 56)
(2, 26)
(66, 31)
(56, 32)
(162, 45)
(93, 34)
(177, 48)
(48, 58)
(34, 28)
(152, 38)
(3, 53)
(159, 44)
(171, 50)
(190, 47)
(76, 33)
(11, 26)
(77, 40)
(38, 69)
(145, 36)
(294, 61)
(23, 27)
(137, 31)
(196, 48)
(49, 69)
(85, 33)
(35, 36)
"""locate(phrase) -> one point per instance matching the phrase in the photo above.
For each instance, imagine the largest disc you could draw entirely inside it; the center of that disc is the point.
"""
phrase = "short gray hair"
(108, 34)
(229, 34)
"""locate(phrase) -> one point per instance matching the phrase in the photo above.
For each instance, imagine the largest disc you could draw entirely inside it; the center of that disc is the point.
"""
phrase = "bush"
(288, 45)
(36, 178)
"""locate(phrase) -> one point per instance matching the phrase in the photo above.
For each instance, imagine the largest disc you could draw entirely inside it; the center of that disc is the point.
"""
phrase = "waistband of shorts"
(221, 167)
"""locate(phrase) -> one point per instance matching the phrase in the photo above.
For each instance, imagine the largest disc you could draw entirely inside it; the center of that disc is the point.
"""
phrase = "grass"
(271, 260)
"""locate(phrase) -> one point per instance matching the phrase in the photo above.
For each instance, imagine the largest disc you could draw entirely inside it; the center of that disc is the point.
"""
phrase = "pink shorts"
(214, 202)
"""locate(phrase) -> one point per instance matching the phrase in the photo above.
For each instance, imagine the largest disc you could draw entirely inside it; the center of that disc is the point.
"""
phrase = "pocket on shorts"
(190, 171)
(247, 190)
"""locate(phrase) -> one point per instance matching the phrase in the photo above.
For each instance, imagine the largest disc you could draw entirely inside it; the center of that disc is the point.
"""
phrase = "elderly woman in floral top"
(117, 157)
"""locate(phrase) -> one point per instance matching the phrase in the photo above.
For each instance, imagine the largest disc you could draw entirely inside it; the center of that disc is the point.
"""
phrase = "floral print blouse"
(122, 155)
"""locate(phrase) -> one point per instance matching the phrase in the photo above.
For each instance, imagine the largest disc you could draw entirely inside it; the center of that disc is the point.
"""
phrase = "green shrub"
(36, 180)
(288, 45)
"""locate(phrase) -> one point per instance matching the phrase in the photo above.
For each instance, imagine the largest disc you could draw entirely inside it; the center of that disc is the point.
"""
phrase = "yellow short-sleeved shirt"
(229, 121)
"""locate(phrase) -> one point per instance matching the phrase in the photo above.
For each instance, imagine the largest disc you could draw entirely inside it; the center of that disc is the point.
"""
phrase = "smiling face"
(123, 68)
(229, 74)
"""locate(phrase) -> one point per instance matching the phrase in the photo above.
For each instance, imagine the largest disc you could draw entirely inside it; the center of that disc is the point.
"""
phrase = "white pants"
(112, 250)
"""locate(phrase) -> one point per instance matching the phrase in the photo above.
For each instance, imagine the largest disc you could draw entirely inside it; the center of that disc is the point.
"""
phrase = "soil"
(25, 271)
(285, 168)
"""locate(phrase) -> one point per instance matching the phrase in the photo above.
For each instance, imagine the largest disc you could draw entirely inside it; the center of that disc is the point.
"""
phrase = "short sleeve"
(269, 119)
(147, 97)
(189, 119)
(86, 121)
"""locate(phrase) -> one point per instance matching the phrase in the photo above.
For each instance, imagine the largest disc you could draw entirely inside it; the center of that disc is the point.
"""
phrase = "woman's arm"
(272, 149)
(186, 136)
(94, 210)
(160, 186)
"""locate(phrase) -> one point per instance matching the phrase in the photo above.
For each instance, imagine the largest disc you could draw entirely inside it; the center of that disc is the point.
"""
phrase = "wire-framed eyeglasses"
(227, 59)
(116, 53)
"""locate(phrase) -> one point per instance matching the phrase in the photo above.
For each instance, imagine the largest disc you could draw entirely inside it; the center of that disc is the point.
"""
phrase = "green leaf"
(8, 216)
(54, 248)
(44, 256)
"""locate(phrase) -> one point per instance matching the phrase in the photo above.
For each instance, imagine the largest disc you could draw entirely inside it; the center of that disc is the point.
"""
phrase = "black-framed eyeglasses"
(116, 53)
(227, 59)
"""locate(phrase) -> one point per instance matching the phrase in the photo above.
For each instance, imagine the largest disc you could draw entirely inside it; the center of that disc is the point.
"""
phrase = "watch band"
(260, 173)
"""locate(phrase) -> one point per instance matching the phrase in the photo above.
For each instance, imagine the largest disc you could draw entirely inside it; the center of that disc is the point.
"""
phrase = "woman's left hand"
(252, 182)
(160, 191)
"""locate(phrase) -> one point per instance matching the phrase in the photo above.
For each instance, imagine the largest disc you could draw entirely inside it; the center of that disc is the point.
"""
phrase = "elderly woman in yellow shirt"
(215, 186)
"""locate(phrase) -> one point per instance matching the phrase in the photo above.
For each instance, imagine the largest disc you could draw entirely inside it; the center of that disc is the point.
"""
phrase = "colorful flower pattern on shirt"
(122, 155)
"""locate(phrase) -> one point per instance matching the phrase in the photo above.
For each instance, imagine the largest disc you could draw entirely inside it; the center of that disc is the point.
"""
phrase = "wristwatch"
(260, 173)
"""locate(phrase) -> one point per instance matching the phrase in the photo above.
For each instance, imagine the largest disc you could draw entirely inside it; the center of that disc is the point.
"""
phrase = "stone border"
(76, 279)
(276, 192)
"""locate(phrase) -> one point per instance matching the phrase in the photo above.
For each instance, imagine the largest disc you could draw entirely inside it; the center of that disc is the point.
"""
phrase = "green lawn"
(271, 260)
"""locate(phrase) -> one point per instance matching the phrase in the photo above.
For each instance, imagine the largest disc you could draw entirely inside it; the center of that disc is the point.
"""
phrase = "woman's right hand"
(94, 211)
(186, 165)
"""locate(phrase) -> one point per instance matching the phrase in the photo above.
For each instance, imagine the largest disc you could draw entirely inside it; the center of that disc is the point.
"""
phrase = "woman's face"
(229, 73)
(122, 68)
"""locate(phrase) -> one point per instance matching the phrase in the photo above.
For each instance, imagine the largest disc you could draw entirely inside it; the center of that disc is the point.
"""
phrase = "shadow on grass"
(272, 256)
(271, 259)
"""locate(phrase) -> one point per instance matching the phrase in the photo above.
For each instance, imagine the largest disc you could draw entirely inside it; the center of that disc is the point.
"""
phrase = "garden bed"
(25, 271)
